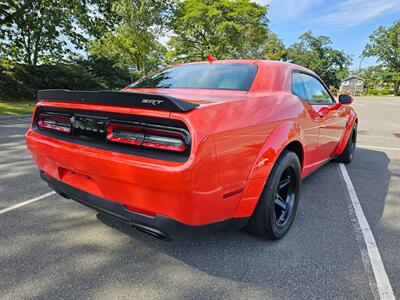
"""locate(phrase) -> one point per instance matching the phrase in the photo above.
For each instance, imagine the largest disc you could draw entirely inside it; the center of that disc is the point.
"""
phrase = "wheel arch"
(287, 136)
(298, 149)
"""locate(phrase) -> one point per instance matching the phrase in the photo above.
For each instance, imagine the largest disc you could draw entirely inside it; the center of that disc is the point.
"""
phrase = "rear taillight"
(59, 123)
(125, 134)
(148, 136)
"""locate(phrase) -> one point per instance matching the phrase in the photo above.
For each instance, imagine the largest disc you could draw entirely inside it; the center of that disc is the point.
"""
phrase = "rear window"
(202, 76)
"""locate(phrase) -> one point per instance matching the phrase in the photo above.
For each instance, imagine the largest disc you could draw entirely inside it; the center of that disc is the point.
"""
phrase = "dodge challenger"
(194, 147)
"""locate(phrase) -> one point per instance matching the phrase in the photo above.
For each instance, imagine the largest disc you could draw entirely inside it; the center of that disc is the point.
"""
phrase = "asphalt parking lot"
(56, 248)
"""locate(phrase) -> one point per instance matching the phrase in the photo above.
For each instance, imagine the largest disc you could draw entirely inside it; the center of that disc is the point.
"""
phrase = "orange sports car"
(194, 147)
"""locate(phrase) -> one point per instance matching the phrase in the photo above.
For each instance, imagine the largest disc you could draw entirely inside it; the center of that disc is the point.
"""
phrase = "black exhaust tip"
(151, 231)
(63, 195)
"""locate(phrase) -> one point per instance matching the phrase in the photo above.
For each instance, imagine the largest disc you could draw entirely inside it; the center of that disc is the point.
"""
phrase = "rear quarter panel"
(240, 130)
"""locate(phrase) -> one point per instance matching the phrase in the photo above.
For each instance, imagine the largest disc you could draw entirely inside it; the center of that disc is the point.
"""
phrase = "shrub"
(21, 82)
(372, 92)
(384, 91)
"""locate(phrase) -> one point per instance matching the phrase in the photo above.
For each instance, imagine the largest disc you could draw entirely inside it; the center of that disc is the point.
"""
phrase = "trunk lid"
(197, 96)
(120, 98)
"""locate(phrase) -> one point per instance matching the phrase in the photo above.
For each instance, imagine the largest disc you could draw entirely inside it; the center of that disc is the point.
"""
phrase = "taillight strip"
(130, 133)
(127, 128)
(146, 136)
(55, 122)
(178, 148)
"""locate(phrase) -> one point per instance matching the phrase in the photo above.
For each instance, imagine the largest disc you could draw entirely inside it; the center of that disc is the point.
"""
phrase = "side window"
(316, 92)
(298, 86)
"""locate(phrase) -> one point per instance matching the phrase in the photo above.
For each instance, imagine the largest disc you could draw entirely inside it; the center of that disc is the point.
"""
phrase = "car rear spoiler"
(150, 101)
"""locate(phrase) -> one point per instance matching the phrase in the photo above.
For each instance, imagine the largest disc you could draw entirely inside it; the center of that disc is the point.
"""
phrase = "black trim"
(103, 144)
(149, 101)
(159, 226)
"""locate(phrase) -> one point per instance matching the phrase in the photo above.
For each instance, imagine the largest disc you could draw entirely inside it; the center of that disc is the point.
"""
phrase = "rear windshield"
(202, 76)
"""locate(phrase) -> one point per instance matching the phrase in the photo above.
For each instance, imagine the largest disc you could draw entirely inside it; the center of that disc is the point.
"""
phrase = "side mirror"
(345, 99)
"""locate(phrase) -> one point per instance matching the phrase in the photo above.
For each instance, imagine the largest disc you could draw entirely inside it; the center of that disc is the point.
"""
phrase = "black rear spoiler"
(151, 101)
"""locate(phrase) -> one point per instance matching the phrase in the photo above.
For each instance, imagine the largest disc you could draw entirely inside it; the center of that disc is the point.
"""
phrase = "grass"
(16, 108)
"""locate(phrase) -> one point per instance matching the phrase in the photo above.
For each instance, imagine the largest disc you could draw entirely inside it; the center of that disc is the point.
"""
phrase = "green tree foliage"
(89, 44)
(384, 43)
(274, 48)
(21, 81)
(44, 30)
(225, 28)
(134, 41)
(317, 54)
(372, 77)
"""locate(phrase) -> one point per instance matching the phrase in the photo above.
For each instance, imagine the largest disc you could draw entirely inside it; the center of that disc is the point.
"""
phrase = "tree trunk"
(397, 89)
(37, 40)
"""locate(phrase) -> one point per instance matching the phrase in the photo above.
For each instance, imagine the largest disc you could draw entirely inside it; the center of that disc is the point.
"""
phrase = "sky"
(348, 23)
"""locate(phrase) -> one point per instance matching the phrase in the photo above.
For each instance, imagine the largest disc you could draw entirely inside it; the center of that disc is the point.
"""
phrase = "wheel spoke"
(282, 217)
(280, 202)
(284, 182)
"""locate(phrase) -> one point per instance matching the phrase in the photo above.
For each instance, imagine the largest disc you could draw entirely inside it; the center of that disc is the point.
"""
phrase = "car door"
(309, 122)
(332, 121)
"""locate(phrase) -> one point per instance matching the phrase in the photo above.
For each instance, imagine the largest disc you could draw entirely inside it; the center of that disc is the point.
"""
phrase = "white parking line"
(26, 202)
(381, 278)
(378, 147)
(390, 103)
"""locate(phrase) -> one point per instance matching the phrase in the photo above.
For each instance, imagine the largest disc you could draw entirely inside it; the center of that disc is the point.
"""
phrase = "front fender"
(266, 158)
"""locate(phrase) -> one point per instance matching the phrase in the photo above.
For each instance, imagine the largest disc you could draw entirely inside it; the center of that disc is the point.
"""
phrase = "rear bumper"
(188, 192)
(159, 226)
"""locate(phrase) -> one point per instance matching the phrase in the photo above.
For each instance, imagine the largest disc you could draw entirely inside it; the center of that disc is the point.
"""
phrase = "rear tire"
(347, 155)
(278, 203)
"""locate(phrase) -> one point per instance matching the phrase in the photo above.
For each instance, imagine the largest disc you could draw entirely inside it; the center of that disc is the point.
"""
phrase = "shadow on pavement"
(370, 175)
(321, 240)
(61, 249)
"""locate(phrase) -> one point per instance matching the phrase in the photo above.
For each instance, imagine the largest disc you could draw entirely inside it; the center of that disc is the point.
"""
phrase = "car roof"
(267, 63)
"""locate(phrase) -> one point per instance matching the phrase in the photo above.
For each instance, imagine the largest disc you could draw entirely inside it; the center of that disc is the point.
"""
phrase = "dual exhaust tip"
(142, 228)
(151, 231)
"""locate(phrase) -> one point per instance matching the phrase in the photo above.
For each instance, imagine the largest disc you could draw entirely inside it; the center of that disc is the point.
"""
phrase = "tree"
(372, 77)
(134, 41)
(45, 30)
(384, 43)
(317, 54)
(274, 48)
(225, 28)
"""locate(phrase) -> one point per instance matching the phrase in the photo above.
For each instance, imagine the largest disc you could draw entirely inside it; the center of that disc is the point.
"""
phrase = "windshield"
(202, 76)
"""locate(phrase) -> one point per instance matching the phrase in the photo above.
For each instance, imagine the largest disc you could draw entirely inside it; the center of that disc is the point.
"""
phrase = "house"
(352, 85)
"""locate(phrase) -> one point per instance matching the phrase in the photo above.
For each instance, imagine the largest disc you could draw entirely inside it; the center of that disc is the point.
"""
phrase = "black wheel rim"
(285, 196)
(354, 139)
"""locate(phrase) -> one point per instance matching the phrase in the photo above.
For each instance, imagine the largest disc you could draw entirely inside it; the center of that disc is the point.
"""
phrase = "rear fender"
(268, 155)
(349, 127)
